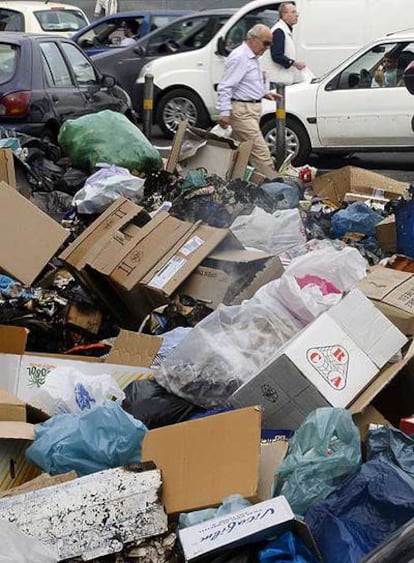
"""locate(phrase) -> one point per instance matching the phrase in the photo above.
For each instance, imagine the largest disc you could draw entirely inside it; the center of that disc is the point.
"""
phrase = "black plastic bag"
(71, 181)
(154, 406)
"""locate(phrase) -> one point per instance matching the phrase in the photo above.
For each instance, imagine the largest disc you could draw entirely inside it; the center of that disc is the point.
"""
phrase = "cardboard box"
(83, 318)
(204, 460)
(386, 233)
(263, 521)
(22, 373)
(16, 433)
(29, 238)
(329, 363)
(273, 451)
(334, 185)
(197, 148)
(392, 292)
(134, 349)
(7, 172)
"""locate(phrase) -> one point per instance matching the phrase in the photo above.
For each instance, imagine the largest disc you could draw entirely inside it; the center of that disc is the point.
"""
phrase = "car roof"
(18, 37)
(30, 6)
(402, 34)
(135, 13)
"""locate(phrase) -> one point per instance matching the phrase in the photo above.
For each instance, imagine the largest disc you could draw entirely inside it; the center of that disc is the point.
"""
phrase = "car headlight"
(146, 68)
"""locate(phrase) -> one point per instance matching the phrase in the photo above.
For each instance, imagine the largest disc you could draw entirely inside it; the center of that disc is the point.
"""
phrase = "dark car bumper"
(31, 129)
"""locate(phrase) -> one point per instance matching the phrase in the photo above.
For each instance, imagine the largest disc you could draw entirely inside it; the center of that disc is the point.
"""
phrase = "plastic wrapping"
(356, 218)
(102, 438)
(225, 350)
(283, 195)
(230, 504)
(108, 137)
(287, 549)
(270, 232)
(105, 186)
(17, 547)
(67, 390)
(361, 514)
(388, 443)
(322, 453)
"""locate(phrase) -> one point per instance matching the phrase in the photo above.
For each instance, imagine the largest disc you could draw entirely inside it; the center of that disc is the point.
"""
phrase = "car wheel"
(297, 140)
(178, 105)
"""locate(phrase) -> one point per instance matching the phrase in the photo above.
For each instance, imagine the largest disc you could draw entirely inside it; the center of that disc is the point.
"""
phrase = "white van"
(327, 32)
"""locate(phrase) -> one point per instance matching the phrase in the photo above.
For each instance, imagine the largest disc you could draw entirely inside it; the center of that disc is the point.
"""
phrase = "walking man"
(279, 63)
(240, 93)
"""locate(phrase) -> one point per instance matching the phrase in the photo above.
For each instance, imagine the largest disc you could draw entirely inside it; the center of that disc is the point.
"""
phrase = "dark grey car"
(184, 34)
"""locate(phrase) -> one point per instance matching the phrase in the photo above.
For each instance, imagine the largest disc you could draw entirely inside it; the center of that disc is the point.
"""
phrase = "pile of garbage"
(199, 363)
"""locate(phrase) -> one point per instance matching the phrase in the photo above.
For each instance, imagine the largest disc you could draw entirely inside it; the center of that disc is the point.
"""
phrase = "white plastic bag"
(222, 131)
(17, 547)
(270, 232)
(105, 186)
(67, 390)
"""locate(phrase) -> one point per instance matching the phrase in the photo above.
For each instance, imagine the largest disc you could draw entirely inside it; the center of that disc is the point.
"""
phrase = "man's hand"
(299, 65)
(273, 96)
(224, 121)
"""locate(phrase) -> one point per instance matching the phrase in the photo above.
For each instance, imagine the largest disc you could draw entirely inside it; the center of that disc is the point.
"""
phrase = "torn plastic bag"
(170, 341)
(230, 504)
(388, 443)
(287, 549)
(154, 406)
(67, 390)
(102, 438)
(71, 181)
(17, 547)
(356, 218)
(225, 350)
(105, 186)
(283, 196)
(397, 548)
(12, 289)
(272, 233)
(361, 514)
(108, 137)
(55, 204)
(324, 451)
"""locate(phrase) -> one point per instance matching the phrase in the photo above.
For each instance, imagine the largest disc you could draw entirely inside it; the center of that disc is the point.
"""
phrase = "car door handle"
(55, 98)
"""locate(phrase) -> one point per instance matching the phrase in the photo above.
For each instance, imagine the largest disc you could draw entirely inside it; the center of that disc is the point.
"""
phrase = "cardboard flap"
(17, 430)
(134, 349)
(13, 339)
(379, 283)
(11, 408)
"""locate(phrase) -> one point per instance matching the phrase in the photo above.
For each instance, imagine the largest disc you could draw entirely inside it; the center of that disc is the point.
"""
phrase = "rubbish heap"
(199, 363)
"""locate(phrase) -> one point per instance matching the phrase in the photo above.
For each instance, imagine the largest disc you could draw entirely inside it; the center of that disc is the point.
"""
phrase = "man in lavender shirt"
(240, 93)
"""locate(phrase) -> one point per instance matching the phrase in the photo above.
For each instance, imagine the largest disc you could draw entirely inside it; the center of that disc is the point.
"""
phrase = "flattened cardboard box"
(386, 233)
(28, 237)
(334, 185)
(329, 363)
(204, 460)
(392, 292)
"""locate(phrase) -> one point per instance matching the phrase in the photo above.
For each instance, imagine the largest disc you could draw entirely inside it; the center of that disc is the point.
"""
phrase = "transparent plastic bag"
(230, 504)
(323, 452)
(226, 350)
(17, 547)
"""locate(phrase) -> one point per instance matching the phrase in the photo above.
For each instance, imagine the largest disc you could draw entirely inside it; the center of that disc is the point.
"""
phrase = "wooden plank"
(91, 516)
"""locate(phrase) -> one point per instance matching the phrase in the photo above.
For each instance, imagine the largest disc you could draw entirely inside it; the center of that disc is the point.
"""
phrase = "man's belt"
(247, 101)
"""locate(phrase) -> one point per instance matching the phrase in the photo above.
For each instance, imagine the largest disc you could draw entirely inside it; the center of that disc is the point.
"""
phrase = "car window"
(237, 33)
(380, 67)
(83, 70)
(8, 61)
(10, 20)
(181, 34)
(160, 21)
(56, 68)
(106, 34)
(60, 20)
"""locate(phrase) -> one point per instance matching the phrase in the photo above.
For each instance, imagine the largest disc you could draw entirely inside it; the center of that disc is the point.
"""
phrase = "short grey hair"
(283, 8)
(256, 31)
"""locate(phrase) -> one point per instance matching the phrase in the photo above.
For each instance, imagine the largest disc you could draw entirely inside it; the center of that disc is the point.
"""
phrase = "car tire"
(297, 139)
(178, 105)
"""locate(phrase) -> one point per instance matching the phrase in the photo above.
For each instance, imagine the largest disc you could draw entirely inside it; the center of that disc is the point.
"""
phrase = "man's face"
(389, 63)
(291, 15)
(260, 44)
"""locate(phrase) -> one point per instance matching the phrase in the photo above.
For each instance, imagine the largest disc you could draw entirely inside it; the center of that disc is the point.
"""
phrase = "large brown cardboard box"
(28, 237)
(204, 460)
(386, 233)
(334, 185)
(392, 292)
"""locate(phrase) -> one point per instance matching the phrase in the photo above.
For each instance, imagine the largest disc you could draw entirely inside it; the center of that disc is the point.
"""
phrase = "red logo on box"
(331, 362)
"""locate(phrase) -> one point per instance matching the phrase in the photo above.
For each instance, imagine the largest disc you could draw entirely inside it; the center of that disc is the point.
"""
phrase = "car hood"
(296, 96)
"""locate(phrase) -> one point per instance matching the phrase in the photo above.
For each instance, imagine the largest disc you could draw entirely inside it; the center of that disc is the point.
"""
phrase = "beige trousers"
(245, 119)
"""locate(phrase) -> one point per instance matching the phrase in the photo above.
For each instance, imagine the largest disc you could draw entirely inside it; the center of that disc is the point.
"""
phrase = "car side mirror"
(221, 47)
(108, 81)
(139, 50)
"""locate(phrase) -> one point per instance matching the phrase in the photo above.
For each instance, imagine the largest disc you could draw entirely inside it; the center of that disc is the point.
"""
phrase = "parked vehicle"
(189, 33)
(41, 17)
(46, 80)
(108, 32)
(348, 109)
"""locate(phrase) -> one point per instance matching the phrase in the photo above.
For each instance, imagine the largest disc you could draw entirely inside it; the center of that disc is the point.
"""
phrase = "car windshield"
(60, 20)
(11, 20)
(8, 61)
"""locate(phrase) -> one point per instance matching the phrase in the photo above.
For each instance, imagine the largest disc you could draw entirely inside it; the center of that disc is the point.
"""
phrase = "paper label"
(331, 362)
(191, 245)
(162, 277)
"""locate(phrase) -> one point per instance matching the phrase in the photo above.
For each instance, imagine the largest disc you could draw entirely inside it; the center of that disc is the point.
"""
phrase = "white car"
(41, 17)
(351, 108)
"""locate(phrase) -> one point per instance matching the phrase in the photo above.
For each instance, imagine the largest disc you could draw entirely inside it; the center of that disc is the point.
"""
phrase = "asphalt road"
(399, 166)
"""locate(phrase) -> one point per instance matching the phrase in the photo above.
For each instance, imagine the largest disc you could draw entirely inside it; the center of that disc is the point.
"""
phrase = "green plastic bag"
(324, 451)
(108, 137)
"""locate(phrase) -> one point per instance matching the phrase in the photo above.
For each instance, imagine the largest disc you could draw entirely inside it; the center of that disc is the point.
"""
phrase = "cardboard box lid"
(11, 408)
(206, 284)
(26, 244)
(232, 250)
(134, 349)
(334, 185)
(382, 281)
(13, 339)
(16, 430)
(204, 460)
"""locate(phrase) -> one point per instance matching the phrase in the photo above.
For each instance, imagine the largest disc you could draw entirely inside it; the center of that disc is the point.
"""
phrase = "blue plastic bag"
(98, 439)
(323, 452)
(230, 504)
(287, 549)
(283, 195)
(361, 514)
(356, 218)
(389, 444)
(404, 224)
